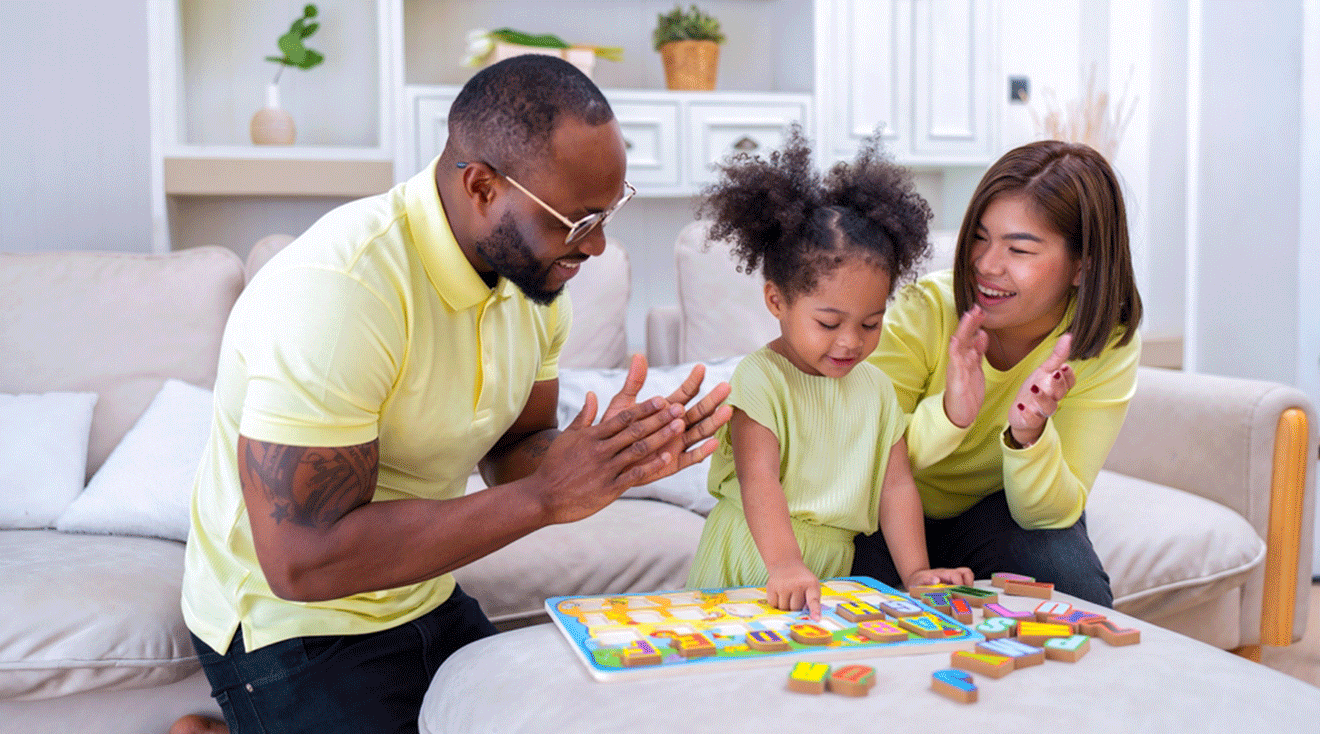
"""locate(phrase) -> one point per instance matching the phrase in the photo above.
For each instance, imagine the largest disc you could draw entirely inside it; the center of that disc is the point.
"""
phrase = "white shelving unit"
(374, 112)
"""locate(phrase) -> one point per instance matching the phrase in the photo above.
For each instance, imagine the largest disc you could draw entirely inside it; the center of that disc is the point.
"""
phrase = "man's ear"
(774, 299)
(478, 183)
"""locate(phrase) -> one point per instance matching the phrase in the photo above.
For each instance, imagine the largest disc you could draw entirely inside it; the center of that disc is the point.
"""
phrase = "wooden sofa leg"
(1250, 652)
(1287, 495)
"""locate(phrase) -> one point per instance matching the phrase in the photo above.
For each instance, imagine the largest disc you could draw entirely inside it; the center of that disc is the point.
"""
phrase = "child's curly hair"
(784, 219)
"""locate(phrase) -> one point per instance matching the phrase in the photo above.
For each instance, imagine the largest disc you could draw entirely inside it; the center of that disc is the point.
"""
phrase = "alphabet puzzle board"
(629, 636)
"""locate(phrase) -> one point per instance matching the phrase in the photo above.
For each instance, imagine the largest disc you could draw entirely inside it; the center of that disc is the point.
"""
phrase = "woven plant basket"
(690, 64)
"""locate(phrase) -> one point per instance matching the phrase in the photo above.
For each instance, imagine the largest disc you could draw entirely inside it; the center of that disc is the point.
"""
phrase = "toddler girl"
(814, 453)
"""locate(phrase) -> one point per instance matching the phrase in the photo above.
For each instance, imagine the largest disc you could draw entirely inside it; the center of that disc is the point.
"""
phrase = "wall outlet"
(1019, 90)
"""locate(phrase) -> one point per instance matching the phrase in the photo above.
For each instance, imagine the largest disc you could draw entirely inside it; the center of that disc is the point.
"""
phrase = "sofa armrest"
(662, 326)
(1249, 445)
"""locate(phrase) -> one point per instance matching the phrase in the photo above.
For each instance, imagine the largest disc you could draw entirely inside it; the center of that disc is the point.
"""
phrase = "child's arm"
(756, 459)
(904, 525)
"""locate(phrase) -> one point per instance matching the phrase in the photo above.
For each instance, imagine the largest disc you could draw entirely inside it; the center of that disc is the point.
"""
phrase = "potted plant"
(487, 47)
(272, 125)
(689, 45)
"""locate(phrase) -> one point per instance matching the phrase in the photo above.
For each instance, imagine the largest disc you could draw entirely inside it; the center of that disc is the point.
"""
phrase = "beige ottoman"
(529, 680)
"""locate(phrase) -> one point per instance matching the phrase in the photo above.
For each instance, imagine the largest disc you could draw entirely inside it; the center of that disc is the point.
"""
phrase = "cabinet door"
(951, 80)
(867, 74)
(650, 134)
(718, 130)
(431, 131)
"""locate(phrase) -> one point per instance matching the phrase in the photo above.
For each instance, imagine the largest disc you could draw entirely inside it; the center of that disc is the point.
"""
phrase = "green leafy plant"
(686, 25)
(481, 43)
(291, 44)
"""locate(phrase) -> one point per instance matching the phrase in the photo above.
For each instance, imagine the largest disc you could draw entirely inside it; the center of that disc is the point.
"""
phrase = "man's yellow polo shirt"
(371, 325)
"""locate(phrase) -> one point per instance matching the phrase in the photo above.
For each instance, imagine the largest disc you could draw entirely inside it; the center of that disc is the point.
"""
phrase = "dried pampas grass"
(1090, 120)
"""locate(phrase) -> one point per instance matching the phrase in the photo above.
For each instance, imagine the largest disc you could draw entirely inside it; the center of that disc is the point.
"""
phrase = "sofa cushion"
(600, 292)
(712, 295)
(631, 545)
(90, 613)
(115, 324)
(145, 485)
(1167, 550)
(43, 455)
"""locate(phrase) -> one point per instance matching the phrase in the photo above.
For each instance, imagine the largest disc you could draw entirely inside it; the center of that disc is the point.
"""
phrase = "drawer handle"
(627, 144)
(746, 144)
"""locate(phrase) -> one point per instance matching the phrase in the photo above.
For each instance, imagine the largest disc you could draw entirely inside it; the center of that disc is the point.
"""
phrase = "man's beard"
(508, 254)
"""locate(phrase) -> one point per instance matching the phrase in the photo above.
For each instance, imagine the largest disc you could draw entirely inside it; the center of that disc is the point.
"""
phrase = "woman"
(1016, 368)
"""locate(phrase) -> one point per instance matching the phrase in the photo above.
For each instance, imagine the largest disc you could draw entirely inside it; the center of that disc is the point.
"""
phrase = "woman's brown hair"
(1076, 192)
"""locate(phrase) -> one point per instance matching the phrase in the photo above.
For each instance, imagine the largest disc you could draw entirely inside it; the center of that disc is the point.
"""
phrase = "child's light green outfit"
(834, 435)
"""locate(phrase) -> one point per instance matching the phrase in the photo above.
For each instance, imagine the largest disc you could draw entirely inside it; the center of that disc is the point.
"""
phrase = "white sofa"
(93, 639)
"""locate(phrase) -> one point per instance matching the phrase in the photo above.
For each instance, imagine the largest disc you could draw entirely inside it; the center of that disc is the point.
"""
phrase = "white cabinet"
(673, 139)
(921, 71)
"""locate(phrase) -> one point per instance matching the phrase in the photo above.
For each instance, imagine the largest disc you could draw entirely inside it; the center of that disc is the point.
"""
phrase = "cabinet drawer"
(650, 133)
(719, 130)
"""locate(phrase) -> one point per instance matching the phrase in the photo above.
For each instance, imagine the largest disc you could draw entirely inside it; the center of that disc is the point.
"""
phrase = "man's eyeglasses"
(576, 230)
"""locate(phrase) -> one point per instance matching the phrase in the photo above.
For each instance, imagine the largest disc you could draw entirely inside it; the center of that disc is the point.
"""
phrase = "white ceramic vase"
(272, 125)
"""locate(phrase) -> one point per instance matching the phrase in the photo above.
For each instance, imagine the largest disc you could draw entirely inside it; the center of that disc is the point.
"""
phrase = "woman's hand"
(964, 382)
(1040, 395)
(794, 588)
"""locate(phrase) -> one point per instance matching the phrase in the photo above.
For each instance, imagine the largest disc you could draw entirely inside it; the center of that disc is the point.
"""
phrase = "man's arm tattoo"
(312, 487)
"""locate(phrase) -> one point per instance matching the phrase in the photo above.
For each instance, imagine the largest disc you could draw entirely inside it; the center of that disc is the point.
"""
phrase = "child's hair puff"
(783, 218)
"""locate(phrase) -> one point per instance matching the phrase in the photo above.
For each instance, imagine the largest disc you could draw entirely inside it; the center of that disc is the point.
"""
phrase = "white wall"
(1248, 130)
(75, 131)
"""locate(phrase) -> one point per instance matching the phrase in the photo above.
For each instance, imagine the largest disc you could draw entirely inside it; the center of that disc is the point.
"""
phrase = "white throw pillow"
(145, 485)
(43, 455)
(686, 488)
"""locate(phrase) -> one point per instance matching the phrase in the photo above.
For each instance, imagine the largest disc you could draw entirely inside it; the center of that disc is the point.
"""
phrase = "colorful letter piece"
(858, 611)
(808, 677)
(852, 680)
(925, 625)
(693, 645)
(995, 666)
(974, 596)
(1075, 619)
(901, 608)
(999, 610)
(995, 628)
(938, 600)
(1036, 633)
(639, 653)
(810, 634)
(921, 590)
(1037, 589)
(1047, 609)
(1023, 655)
(960, 609)
(1000, 578)
(882, 631)
(766, 641)
(1111, 633)
(954, 684)
(1067, 649)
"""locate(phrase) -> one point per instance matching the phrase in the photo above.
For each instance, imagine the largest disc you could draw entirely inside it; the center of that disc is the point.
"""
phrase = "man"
(401, 341)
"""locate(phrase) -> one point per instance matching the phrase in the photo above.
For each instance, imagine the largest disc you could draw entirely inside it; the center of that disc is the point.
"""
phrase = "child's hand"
(793, 588)
(960, 576)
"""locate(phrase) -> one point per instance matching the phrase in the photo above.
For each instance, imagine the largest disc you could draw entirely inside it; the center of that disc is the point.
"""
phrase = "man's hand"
(964, 381)
(700, 421)
(587, 466)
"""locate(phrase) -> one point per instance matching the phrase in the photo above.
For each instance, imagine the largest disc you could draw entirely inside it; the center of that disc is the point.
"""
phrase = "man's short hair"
(507, 112)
